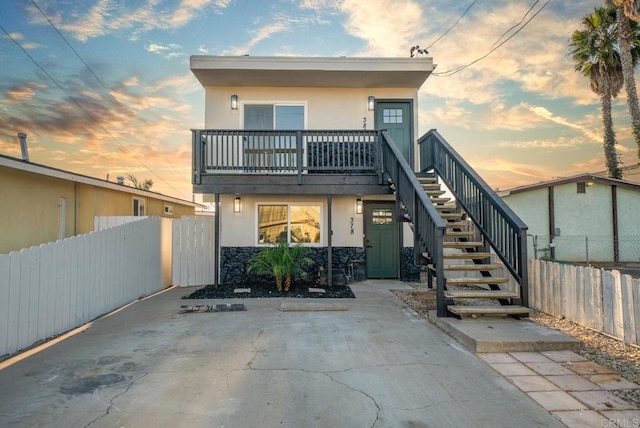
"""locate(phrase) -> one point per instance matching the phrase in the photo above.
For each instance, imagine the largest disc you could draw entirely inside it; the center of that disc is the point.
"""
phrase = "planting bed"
(258, 291)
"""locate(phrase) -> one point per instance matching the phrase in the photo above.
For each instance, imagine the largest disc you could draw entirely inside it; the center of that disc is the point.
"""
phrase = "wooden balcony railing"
(284, 152)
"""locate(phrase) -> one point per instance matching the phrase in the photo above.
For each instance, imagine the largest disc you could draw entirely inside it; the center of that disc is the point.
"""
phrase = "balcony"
(287, 162)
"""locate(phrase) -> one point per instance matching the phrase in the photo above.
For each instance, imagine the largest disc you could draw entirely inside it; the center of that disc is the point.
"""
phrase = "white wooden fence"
(53, 288)
(599, 299)
(193, 251)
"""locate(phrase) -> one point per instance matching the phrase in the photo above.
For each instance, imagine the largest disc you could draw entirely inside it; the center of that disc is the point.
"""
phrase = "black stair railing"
(428, 227)
(500, 226)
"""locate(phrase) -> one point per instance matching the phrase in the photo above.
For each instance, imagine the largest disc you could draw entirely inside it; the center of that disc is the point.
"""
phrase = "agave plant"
(283, 262)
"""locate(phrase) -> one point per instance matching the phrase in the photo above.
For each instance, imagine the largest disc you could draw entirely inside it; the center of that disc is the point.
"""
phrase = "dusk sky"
(104, 87)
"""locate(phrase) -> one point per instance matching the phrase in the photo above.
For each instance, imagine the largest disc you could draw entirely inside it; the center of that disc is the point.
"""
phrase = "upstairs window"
(273, 116)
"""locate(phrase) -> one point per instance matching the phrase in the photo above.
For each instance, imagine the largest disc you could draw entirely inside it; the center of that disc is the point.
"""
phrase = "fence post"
(586, 247)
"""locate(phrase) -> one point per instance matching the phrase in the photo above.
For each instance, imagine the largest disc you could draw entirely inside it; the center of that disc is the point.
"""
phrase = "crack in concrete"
(426, 406)
(115, 397)
(370, 397)
(249, 365)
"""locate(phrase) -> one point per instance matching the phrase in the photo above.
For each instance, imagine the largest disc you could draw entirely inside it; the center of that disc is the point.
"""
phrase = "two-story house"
(322, 152)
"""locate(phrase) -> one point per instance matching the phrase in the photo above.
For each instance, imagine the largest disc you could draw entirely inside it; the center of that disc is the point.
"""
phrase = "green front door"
(381, 240)
(395, 116)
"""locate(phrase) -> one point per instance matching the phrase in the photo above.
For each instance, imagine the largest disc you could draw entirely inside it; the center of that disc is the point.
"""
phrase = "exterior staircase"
(474, 286)
(472, 244)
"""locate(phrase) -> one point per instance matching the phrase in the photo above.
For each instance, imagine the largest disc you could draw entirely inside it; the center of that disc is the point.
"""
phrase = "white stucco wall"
(532, 208)
(241, 229)
(325, 108)
(580, 215)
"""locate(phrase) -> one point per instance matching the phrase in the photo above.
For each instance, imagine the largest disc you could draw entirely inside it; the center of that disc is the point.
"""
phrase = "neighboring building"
(325, 152)
(581, 218)
(43, 204)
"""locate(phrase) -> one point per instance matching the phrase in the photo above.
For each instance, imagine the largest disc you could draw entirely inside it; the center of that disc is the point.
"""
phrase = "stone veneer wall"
(346, 261)
(409, 271)
(234, 262)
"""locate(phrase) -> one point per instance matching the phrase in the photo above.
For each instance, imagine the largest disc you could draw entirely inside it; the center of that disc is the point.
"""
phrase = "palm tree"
(142, 185)
(593, 49)
(631, 8)
(629, 48)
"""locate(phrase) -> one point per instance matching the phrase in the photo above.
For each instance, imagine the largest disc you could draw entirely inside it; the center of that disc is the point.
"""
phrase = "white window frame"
(256, 233)
(274, 104)
(142, 202)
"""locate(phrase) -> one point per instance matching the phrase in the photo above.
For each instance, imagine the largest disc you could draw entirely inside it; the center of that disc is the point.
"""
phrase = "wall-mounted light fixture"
(234, 102)
(358, 206)
(237, 204)
(371, 103)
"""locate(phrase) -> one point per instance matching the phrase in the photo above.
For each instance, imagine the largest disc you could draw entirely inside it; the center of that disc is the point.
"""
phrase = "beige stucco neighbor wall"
(32, 205)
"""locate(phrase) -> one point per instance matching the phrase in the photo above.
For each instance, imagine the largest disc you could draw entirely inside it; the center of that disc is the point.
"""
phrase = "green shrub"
(283, 262)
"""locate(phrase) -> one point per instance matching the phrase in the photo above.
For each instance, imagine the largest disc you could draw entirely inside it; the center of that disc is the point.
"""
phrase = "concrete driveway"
(376, 365)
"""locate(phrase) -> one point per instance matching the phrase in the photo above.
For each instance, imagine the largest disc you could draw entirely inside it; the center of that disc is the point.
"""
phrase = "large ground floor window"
(292, 223)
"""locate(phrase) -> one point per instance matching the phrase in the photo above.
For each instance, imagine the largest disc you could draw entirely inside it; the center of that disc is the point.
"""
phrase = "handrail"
(428, 227)
(284, 151)
(501, 227)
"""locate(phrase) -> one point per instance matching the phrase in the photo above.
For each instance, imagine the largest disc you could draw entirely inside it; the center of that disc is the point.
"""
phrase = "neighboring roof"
(322, 72)
(22, 165)
(573, 179)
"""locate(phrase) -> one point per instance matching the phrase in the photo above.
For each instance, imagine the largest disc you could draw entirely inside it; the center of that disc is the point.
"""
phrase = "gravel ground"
(258, 291)
(614, 354)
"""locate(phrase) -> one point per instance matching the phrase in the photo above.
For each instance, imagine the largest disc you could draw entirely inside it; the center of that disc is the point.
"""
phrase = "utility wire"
(518, 24)
(495, 47)
(74, 51)
(454, 24)
(77, 103)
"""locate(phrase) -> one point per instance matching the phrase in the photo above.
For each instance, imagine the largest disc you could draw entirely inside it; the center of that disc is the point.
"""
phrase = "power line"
(495, 46)
(454, 24)
(518, 24)
(77, 103)
(74, 51)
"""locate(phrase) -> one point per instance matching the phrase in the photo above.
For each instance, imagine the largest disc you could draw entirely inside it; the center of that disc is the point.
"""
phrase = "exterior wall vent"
(581, 187)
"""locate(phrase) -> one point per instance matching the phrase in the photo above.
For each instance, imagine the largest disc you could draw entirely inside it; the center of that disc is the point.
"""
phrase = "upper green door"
(396, 116)
(381, 239)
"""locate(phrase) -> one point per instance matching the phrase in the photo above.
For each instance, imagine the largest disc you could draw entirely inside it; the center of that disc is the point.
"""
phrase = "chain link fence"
(587, 249)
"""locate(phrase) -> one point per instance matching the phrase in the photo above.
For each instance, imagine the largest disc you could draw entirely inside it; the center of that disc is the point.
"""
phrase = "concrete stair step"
(472, 256)
(480, 294)
(489, 310)
(477, 280)
(470, 268)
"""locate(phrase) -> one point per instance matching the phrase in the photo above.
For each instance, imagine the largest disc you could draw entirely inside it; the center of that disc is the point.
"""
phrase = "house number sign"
(364, 123)
(351, 225)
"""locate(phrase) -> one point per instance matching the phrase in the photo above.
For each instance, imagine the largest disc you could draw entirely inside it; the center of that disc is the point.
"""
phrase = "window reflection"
(289, 223)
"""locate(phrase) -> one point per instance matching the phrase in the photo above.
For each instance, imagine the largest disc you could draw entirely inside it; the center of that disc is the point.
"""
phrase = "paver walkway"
(575, 390)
